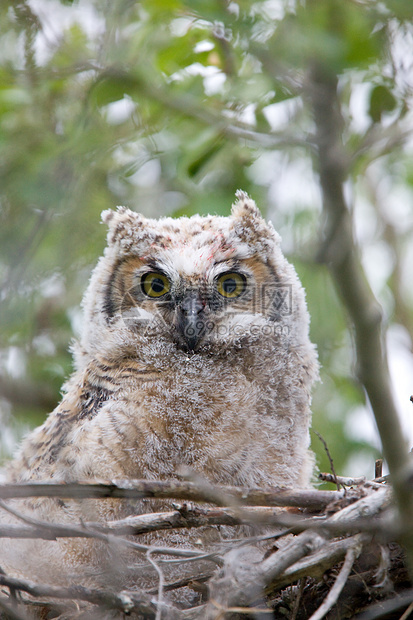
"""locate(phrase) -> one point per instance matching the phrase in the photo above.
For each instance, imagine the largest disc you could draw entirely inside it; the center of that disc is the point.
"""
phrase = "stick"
(330, 458)
(348, 482)
(332, 597)
(171, 489)
(378, 468)
(107, 538)
(123, 602)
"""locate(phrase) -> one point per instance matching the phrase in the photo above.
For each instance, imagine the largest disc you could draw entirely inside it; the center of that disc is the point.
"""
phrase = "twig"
(316, 564)
(301, 586)
(125, 602)
(182, 583)
(82, 531)
(238, 610)
(189, 516)
(380, 140)
(134, 525)
(378, 468)
(160, 583)
(273, 569)
(407, 613)
(332, 597)
(167, 489)
(342, 480)
(138, 524)
(200, 517)
(333, 471)
(383, 609)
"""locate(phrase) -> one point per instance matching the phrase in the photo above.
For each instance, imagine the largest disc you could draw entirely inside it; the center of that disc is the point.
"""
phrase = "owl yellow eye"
(231, 284)
(155, 284)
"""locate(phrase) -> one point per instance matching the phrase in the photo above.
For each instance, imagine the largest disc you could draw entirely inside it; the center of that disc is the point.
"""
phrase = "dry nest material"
(313, 554)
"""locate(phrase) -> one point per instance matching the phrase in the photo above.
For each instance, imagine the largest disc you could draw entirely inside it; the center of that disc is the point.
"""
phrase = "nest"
(312, 554)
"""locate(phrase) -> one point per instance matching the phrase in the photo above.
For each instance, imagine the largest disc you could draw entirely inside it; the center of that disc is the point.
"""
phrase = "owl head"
(192, 284)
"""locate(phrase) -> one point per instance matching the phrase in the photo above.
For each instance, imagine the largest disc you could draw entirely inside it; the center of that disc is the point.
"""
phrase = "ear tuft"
(245, 206)
(107, 216)
(251, 228)
(123, 226)
(121, 213)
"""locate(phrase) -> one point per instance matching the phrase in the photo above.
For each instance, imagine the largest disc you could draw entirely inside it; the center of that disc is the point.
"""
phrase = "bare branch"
(330, 458)
(407, 613)
(348, 482)
(272, 571)
(82, 531)
(378, 468)
(301, 586)
(160, 585)
(197, 517)
(167, 489)
(384, 608)
(351, 555)
(379, 140)
(316, 564)
(342, 257)
(125, 602)
(238, 610)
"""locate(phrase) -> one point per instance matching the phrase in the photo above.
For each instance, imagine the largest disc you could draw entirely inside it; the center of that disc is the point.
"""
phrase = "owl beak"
(191, 319)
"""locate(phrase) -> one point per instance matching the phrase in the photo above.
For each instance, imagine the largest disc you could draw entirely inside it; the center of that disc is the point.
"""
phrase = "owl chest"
(197, 417)
(190, 404)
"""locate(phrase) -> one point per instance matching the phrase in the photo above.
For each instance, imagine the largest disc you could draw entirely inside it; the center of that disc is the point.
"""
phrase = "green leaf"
(382, 100)
(110, 88)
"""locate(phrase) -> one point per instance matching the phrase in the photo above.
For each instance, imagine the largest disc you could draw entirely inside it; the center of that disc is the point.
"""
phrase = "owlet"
(195, 352)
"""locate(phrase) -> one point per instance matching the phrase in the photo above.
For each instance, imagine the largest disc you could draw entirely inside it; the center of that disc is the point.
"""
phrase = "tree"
(169, 107)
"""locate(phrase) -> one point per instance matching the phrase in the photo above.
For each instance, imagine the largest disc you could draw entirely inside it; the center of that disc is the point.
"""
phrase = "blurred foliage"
(168, 107)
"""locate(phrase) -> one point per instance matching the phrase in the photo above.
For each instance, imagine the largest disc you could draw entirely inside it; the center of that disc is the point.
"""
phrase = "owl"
(195, 352)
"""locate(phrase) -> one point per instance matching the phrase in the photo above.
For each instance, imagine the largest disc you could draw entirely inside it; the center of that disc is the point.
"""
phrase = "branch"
(243, 582)
(173, 489)
(348, 482)
(188, 105)
(318, 563)
(241, 585)
(379, 141)
(126, 602)
(351, 556)
(62, 531)
(197, 517)
(327, 451)
(383, 609)
(190, 517)
(342, 257)
(184, 518)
